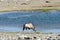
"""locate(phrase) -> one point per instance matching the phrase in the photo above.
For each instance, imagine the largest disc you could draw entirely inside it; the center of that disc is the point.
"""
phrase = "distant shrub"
(47, 1)
(37, 32)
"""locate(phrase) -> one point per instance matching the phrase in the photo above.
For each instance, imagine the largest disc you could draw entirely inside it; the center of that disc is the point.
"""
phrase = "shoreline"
(31, 9)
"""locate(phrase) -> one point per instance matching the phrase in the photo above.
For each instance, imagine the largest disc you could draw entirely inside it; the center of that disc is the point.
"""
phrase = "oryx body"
(28, 26)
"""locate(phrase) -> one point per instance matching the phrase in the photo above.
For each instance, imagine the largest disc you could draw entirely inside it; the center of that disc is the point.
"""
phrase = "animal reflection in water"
(29, 26)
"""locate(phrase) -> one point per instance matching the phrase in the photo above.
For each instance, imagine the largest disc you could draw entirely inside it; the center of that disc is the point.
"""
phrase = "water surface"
(43, 21)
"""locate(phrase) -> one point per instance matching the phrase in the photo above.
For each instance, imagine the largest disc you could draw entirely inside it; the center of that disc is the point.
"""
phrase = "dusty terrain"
(28, 36)
(28, 5)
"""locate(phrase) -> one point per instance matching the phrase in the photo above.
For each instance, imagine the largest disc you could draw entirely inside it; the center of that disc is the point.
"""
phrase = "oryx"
(28, 26)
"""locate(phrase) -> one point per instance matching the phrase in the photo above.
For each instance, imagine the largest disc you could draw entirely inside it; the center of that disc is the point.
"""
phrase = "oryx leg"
(26, 28)
(23, 28)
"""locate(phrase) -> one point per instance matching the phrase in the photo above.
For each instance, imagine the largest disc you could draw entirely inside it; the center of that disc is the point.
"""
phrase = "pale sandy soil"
(24, 36)
(28, 5)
